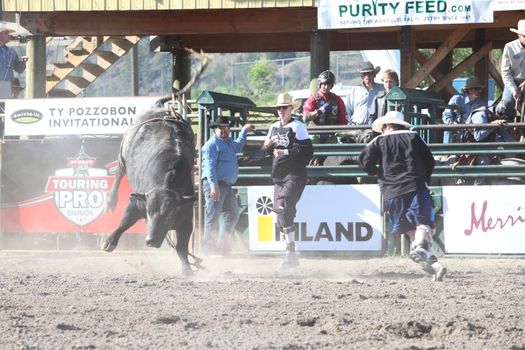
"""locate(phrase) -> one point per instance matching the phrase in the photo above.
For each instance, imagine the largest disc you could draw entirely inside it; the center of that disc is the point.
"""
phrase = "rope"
(197, 262)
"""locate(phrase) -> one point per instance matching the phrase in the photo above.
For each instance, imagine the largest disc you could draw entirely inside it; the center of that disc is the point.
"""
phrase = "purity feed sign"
(333, 14)
(342, 218)
(73, 116)
(484, 219)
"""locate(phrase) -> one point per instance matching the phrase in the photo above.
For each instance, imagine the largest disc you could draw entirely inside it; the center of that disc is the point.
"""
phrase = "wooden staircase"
(87, 57)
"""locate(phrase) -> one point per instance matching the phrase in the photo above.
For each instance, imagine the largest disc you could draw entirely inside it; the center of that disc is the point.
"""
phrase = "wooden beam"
(140, 23)
(435, 73)
(443, 50)
(494, 72)
(460, 68)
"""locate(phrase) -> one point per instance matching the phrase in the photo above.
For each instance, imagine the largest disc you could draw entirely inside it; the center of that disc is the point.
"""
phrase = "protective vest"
(330, 118)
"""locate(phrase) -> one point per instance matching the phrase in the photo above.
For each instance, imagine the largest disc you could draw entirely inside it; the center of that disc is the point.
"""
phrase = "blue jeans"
(220, 217)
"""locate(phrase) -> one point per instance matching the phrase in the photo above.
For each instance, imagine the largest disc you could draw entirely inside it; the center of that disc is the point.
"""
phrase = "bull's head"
(162, 205)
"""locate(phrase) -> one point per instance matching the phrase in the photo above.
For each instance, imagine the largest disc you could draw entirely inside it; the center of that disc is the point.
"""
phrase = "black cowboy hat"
(221, 122)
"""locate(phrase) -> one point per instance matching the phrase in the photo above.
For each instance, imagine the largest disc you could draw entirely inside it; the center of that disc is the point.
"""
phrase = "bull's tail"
(176, 96)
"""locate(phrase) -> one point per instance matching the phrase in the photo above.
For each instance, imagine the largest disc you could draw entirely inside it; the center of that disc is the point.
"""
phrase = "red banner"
(61, 186)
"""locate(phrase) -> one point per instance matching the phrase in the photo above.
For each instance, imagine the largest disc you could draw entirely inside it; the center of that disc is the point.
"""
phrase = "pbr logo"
(80, 189)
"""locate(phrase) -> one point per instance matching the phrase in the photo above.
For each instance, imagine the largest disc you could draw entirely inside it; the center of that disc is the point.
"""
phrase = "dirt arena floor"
(139, 300)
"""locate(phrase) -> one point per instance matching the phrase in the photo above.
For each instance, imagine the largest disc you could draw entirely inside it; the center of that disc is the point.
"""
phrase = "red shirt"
(312, 103)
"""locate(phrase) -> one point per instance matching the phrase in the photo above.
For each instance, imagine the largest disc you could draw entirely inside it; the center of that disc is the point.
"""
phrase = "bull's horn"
(189, 198)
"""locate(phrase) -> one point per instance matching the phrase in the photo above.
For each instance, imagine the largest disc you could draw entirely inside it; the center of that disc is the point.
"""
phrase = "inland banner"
(61, 186)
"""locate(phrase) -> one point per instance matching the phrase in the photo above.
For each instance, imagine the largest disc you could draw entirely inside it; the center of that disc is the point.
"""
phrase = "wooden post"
(36, 67)
(481, 69)
(407, 49)
(319, 52)
(181, 70)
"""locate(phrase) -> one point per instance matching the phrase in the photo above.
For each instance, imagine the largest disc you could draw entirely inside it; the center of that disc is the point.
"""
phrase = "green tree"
(260, 76)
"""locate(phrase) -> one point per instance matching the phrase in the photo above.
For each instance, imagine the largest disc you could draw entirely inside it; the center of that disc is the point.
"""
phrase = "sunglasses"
(367, 74)
(282, 107)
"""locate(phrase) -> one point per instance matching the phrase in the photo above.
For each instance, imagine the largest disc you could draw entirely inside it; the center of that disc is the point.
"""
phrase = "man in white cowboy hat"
(9, 62)
(513, 65)
(464, 104)
(220, 170)
(289, 144)
(403, 177)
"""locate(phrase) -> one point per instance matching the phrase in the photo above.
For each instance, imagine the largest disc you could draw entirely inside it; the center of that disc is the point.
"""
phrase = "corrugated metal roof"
(134, 5)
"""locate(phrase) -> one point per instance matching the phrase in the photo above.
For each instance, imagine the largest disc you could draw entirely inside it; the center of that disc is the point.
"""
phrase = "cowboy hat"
(367, 67)
(221, 122)
(4, 27)
(285, 99)
(472, 83)
(521, 27)
(392, 117)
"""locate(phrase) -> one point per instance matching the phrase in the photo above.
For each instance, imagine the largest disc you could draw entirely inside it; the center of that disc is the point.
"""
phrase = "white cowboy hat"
(285, 99)
(521, 27)
(6, 27)
(392, 117)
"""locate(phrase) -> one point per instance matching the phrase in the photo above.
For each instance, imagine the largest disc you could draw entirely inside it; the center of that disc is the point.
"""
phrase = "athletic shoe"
(419, 256)
(290, 261)
(440, 272)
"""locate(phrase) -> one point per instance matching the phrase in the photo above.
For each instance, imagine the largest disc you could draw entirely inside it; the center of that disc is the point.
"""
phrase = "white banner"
(333, 14)
(342, 217)
(509, 5)
(73, 116)
(484, 219)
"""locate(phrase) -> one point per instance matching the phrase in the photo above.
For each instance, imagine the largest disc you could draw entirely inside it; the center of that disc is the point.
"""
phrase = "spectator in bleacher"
(403, 179)
(379, 105)
(360, 98)
(463, 104)
(10, 62)
(290, 145)
(324, 108)
(513, 65)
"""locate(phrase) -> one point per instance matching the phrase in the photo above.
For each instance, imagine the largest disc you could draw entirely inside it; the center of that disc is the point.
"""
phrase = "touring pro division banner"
(484, 219)
(62, 186)
(333, 14)
(331, 217)
(73, 116)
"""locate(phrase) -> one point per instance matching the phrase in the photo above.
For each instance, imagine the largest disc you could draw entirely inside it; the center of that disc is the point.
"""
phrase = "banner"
(73, 116)
(329, 218)
(332, 14)
(484, 219)
(509, 5)
(61, 185)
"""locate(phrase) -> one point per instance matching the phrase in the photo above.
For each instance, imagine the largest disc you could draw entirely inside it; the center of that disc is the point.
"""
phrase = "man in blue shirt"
(9, 62)
(467, 101)
(220, 170)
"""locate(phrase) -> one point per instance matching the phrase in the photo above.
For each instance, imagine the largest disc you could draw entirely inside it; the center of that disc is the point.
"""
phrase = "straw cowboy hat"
(367, 67)
(4, 27)
(285, 99)
(392, 117)
(221, 122)
(472, 83)
(521, 27)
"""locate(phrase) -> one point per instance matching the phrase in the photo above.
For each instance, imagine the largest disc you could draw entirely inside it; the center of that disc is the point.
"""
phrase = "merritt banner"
(334, 14)
(61, 185)
(73, 116)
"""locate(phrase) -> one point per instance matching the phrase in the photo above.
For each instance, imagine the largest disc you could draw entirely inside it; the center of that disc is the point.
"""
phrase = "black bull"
(157, 153)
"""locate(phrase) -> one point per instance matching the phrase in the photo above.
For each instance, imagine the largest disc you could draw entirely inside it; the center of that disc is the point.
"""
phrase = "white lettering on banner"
(333, 14)
(78, 184)
(77, 199)
(487, 221)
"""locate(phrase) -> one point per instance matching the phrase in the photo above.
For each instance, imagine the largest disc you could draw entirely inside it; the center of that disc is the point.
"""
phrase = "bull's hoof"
(153, 243)
(186, 271)
(108, 247)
